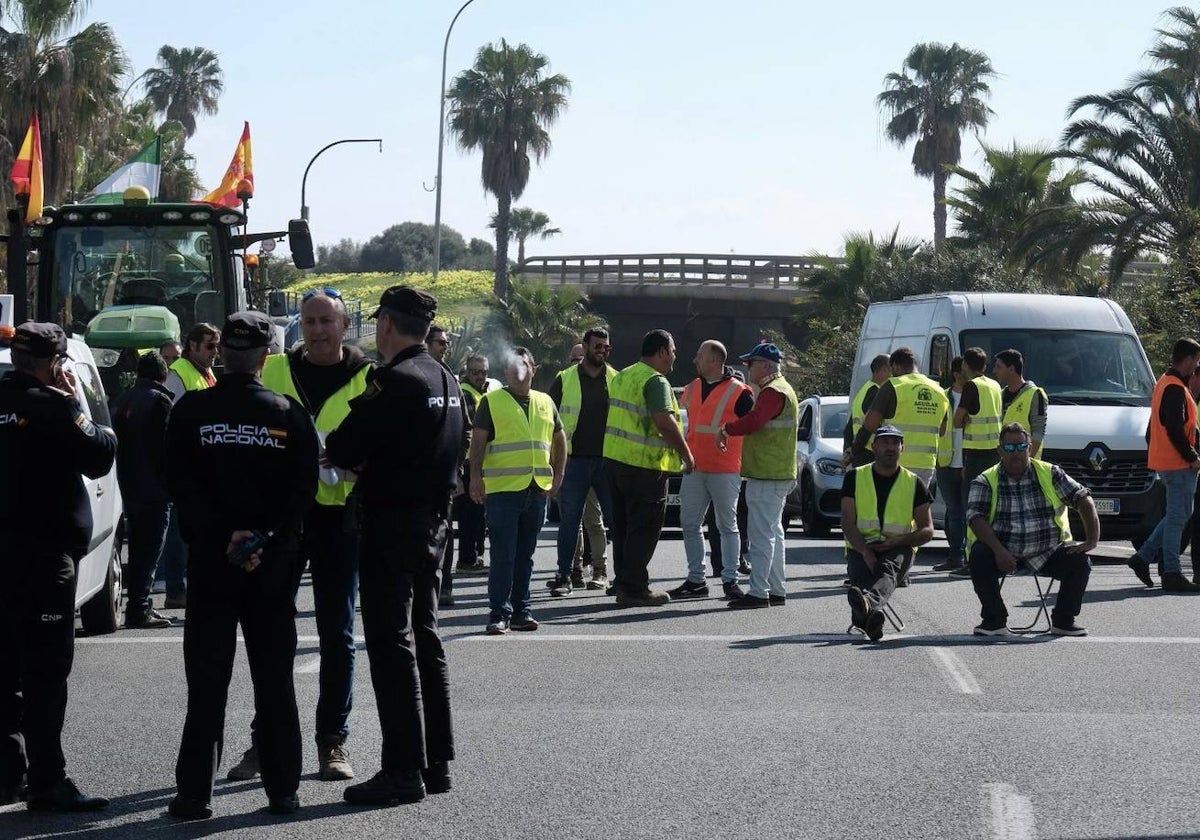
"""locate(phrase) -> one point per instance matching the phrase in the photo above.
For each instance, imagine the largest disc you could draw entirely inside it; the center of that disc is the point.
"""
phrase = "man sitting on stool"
(1017, 511)
(885, 515)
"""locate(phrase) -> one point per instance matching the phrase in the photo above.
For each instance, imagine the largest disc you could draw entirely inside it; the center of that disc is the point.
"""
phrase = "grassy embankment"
(461, 294)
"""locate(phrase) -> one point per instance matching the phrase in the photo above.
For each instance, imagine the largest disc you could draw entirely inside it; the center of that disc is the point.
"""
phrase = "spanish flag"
(27, 171)
(239, 177)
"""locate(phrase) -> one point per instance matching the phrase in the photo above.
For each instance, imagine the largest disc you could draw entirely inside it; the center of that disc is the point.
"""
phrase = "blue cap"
(763, 350)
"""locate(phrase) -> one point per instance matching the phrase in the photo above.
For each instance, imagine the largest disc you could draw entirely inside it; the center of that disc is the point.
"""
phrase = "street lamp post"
(304, 180)
(437, 182)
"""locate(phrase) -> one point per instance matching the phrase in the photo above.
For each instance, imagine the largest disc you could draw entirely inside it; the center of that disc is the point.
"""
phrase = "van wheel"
(815, 525)
(101, 615)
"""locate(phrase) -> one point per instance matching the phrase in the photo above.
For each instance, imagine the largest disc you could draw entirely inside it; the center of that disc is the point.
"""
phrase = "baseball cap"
(763, 350)
(41, 340)
(247, 331)
(407, 301)
(888, 430)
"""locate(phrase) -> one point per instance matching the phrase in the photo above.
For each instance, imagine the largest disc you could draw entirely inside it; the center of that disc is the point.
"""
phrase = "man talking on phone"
(46, 445)
(242, 467)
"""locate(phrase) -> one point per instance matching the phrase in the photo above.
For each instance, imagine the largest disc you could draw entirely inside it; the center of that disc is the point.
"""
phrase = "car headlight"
(105, 357)
(830, 466)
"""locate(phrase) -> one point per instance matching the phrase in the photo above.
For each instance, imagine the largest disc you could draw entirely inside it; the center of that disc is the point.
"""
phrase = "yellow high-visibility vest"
(572, 398)
(518, 454)
(982, 430)
(1045, 479)
(920, 409)
(630, 435)
(897, 513)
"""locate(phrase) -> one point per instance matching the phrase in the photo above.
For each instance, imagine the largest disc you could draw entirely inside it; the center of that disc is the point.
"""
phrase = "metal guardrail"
(749, 270)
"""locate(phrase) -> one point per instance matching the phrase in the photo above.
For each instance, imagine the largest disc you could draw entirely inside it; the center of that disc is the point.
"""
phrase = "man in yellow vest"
(643, 444)
(769, 467)
(323, 375)
(518, 451)
(581, 394)
(1021, 400)
(881, 370)
(472, 522)
(711, 400)
(885, 516)
(979, 415)
(1017, 512)
(916, 405)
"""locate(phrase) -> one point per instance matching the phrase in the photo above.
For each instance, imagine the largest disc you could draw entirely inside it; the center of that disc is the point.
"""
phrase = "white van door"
(102, 492)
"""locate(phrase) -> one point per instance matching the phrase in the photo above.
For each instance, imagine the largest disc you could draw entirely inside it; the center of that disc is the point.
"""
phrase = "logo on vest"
(439, 402)
(242, 434)
(12, 420)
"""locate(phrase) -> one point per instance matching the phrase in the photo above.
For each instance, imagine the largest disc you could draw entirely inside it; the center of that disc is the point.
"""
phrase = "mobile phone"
(241, 552)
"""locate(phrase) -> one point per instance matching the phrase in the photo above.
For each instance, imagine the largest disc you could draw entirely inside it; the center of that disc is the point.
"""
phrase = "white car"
(817, 497)
(98, 581)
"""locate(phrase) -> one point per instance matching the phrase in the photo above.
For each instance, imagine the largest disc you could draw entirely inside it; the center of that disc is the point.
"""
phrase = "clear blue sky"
(693, 125)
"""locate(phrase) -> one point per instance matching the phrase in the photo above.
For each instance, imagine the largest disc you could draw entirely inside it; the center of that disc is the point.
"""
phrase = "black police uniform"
(405, 436)
(46, 445)
(240, 457)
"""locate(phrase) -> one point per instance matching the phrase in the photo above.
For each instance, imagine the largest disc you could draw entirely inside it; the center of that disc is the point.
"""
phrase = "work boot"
(1176, 582)
(599, 577)
(247, 768)
(577, 580)
(334, 759)
(64, 796)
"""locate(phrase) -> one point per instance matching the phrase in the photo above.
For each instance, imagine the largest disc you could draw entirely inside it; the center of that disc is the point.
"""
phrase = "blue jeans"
(146, 526)
(764, 508)
(172, 565)
(953, 493)
(1163, 543)
(580, 475)
(514, 522)
(697, 491)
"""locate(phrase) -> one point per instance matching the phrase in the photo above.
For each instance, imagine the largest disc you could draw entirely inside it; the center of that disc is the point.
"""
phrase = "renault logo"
(1097, 458)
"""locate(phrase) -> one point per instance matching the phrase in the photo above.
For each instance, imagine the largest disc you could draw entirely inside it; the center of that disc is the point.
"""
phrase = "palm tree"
(186, 82)
(1140, 150)
(72, 80)
(847, 286)
(942, 98)
(523, 223)
(503, 106)
(136, 127)
(546, 320)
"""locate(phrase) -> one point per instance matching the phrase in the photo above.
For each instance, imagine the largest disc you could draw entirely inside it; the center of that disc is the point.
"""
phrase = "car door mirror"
(277, 303)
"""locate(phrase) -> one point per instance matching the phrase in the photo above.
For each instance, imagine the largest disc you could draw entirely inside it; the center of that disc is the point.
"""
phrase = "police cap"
(247, 331)
(408, 301)
(45, 341)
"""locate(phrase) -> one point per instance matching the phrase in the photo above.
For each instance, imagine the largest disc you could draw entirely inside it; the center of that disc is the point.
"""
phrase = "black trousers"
(221, 596)
(1071, 570)
(975, 461)
(639, 499)
(879, 583)
(399, 572)
(472, 526)
(37, 647)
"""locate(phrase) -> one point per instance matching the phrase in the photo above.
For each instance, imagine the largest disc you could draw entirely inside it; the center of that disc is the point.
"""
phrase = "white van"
(1083, 351)
(98, 582)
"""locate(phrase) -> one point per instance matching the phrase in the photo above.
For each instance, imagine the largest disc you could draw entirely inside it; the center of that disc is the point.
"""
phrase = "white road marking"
(1010, 815)
(955, 670)
(312, 665)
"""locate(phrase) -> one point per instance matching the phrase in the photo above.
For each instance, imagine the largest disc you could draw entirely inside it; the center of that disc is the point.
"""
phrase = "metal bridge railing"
(774, 271)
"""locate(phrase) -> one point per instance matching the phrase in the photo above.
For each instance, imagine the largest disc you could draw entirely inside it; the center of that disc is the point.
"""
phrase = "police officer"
(405, 437)
(242, 467)
(46, 445)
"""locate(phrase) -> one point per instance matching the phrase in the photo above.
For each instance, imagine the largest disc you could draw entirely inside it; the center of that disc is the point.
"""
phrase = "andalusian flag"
(142, 170)
(27, 170)
(239, 177)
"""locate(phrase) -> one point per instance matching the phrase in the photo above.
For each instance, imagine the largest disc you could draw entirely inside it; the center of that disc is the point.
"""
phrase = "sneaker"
(577, 578)
(874, 625)
(902, 583)
(732, 590)
(437, 777)
(993, 628)
(610, 590)
(175, 602)
(846, 584)
(963, 571)
(597, 583)
(384, 788)
(151, 619)
(187, 808)
(497, 627)
(525, 622)
(476, 568)
(948, 566)
(749, 602)
(743, 567)
(64, 796)
(1069, 628)
(562, 586)
(646, 598)
(1141, 568)
(289, 804)
(247, 768)
(859, 608)
(335, 761)
(687, 589)
(777, 600)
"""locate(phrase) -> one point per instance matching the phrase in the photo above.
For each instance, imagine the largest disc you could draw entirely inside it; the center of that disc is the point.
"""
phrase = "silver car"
(817, 497)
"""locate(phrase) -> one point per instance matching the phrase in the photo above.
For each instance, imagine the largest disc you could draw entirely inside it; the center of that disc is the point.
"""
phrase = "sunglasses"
(1014, 447)
(328, 291)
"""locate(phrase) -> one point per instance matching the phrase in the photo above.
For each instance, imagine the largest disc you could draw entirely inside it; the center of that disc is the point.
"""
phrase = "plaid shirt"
(1024, 520)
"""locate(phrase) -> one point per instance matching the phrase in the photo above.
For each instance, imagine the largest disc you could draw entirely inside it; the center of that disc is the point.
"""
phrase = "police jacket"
(47, 445)
(140, 421)
(240, 457)
(405, 435)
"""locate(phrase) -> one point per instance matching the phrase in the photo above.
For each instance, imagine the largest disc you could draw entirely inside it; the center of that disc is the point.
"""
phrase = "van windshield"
(1075, 368)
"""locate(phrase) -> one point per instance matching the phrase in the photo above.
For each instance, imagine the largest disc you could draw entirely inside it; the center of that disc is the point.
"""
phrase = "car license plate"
(1108, 507)
(672, 500)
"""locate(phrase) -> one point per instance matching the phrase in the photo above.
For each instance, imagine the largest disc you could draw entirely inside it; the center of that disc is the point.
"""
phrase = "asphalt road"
(695, 721)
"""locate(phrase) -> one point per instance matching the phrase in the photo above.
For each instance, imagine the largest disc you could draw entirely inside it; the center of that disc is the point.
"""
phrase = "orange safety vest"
(1163, 455)
(706, 417)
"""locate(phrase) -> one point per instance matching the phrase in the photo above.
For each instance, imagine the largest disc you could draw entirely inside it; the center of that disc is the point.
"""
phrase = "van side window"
(939, 360)
(806, 420)
(89, 380)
